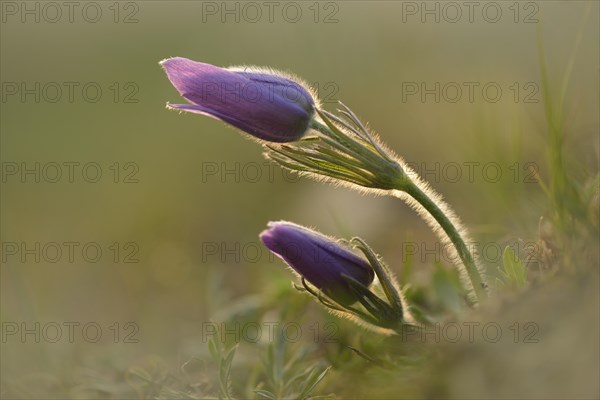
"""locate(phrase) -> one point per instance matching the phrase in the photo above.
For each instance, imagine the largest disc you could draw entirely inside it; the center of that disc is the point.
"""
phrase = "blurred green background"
(180, 219)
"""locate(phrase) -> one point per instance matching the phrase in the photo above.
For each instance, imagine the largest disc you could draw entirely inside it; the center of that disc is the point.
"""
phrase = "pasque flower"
(321, 261)
(262, 102)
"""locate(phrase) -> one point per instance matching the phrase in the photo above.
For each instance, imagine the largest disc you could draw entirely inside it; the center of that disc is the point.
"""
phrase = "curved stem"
(453, 234)
(397, 178)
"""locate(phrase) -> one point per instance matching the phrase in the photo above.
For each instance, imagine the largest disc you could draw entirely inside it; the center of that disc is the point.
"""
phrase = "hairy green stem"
(453, 234)
(402, 182)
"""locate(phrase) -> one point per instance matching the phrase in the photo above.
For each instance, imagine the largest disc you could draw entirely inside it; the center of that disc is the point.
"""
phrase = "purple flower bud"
(262, 103)
(320, 260)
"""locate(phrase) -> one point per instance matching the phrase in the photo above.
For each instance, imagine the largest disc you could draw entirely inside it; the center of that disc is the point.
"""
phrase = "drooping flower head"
(320, 260)
(264, 103)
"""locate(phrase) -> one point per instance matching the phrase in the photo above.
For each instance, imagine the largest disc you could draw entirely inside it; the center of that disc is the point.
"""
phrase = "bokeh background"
(190, 189)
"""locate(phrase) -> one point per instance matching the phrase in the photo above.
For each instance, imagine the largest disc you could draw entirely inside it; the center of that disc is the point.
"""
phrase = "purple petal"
(254, 106)
(317, 258)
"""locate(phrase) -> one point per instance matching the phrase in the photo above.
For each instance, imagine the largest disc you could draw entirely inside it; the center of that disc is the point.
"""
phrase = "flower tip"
(266, 236)
(269, 235)
(169, 60)
(171, 64)
(274, 224)
(170, 106)
(163, 63)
